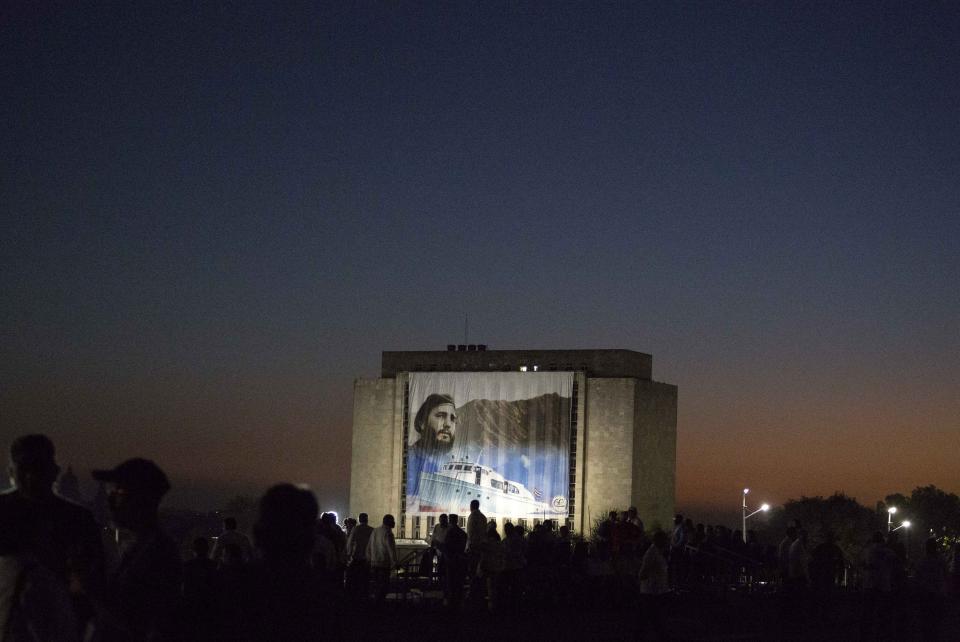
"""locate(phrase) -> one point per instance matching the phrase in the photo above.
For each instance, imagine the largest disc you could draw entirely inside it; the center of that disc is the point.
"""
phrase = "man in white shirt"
(437, 540)
(655, 584)
(231, 537)
(476, 527)
(653, 569)
(358, 566)
(783, 553)
(382, 555)
(799, 560)
(439, 532)
(476, 534)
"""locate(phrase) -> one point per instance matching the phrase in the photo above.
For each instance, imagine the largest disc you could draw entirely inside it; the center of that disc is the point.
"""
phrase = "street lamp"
(890, 513)
(763, 509)
(905, 524)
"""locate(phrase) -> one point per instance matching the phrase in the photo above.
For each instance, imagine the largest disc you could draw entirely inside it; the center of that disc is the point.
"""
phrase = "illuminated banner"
(500, 437)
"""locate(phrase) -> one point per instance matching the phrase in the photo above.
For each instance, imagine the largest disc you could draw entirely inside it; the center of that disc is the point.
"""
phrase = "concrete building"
(622, 443)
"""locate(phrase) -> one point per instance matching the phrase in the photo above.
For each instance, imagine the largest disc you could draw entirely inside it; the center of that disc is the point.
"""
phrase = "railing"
(409, 580)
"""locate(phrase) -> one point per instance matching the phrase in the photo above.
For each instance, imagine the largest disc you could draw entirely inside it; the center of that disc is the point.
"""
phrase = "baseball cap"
(137, 474)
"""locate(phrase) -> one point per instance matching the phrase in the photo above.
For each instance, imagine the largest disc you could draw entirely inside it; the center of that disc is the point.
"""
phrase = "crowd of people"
(64, 578)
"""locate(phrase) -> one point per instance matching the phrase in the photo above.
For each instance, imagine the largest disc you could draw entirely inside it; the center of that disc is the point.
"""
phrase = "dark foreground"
(686, 616)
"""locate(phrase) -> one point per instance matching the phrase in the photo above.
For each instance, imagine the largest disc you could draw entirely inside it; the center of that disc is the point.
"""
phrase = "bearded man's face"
(440, 427)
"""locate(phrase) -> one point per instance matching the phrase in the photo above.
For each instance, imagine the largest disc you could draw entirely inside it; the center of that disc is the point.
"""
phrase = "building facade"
(619, 436)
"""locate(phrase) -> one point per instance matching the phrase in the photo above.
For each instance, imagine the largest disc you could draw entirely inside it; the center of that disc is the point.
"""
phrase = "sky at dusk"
(216, 215)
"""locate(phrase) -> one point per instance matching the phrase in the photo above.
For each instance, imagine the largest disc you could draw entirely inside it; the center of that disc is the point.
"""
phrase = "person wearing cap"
(65, 538)
(140, 599)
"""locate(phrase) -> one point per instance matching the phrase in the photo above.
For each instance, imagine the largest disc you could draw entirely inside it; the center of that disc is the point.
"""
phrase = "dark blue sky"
(215, 216)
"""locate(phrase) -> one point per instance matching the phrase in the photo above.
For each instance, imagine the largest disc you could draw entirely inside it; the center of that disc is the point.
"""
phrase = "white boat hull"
(443, 494)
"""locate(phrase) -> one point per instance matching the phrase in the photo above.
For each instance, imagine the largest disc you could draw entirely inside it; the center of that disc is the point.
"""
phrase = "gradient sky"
(215, 216)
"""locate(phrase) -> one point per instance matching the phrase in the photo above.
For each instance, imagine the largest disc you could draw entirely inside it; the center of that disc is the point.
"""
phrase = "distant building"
(569, 435)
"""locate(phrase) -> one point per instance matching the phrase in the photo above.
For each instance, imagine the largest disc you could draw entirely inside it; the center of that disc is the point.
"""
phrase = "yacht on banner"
(458, 482)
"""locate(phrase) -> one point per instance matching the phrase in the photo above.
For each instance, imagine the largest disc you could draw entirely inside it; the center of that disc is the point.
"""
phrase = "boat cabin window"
(513, 489)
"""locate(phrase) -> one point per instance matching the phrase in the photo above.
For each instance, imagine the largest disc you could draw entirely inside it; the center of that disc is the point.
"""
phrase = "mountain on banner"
(542, 422)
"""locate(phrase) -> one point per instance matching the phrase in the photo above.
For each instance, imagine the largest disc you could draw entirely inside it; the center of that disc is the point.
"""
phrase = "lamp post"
(890, 513)
(763, 508)
(905, 524)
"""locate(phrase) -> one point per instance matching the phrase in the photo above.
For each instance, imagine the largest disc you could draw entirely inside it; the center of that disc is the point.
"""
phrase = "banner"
(502, 438)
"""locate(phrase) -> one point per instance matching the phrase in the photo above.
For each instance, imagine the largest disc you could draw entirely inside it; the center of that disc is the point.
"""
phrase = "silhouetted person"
(337, 536)
(955, 569)
(899, 595)
(456, 545)
(826, 569)
(437, 538)
(332, 531)
(799, 560)
(231, 535)
(930, 590)
(142, 593)
(283, 599)
(491, 564)
(783, 553)
(826, 565)
(348, 525)
(325, 557)
(476, 535)
(678, 552)
(513, 563)
(654, 584)
(878, 562)
(233, 578)
(382, 553)
(68, 486)
(199, 572)
(34, 603)
(66, 539)
(627, 537)
(605, 534)
(358, 566)
(199, 590)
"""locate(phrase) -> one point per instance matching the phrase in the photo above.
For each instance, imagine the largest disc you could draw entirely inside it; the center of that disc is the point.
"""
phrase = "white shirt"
(382, 548)
(476, 530)
(357, 542)
(323, 547)
(653, 573)
(439, 534)
(231, 537)
(799, 561)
